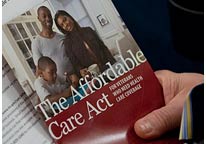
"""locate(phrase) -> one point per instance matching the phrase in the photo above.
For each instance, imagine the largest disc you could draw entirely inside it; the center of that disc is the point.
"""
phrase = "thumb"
(158, 122)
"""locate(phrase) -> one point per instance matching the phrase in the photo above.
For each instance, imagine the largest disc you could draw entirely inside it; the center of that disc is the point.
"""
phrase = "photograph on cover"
(54, 46)
(92, 32)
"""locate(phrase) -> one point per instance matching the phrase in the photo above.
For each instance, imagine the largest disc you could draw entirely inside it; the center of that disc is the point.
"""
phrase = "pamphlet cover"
(119, 88)
(108, 115)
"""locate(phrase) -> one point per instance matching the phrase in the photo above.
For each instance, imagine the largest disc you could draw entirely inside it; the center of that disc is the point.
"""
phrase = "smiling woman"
(83, 46)
(66, 23)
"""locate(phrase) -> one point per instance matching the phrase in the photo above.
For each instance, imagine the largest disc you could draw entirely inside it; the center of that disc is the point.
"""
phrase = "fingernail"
(145, 126)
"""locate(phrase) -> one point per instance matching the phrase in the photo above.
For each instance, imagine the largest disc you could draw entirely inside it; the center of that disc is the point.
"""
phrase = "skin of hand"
(37, 72)
(176, 87)
(84, 72)
(75, 80)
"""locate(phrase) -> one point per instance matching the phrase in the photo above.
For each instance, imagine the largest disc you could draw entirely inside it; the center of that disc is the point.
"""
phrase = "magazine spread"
(73, 74)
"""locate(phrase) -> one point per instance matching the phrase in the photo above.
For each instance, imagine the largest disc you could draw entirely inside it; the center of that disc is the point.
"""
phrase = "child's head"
(47, 69)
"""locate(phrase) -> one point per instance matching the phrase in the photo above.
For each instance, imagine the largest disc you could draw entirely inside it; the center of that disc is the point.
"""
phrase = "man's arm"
(36, 54)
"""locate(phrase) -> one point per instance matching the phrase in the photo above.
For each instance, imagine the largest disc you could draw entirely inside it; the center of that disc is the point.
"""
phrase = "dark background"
(149, 21)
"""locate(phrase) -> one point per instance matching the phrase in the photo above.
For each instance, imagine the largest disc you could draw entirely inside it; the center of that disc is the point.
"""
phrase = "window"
(28, 13)
(23, 32)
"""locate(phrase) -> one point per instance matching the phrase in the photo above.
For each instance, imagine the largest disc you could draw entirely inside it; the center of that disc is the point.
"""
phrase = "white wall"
(75, 9)
(13, 8)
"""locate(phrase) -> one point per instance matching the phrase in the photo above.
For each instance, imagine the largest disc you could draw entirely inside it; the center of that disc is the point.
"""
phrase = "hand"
(84, 72)
(74, 80)
(176, 88)
(37, 72)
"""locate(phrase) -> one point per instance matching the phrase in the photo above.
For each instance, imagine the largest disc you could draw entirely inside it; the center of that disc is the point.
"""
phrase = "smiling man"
(49, 43)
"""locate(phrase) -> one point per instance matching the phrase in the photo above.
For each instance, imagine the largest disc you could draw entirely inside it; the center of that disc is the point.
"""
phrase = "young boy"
(48, 85)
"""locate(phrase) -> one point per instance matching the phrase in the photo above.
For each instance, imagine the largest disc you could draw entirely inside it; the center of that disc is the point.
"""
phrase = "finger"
(172, 83)
(175, 88)
(85, 69)
(158, 122)
(190, 80)
(164, 119)
(169, 82)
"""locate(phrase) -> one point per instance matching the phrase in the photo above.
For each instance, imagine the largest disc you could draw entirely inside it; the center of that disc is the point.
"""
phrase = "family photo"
(58, 47)
(54, 45)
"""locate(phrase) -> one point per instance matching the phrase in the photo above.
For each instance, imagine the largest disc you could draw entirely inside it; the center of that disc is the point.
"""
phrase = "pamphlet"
(119, 88)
